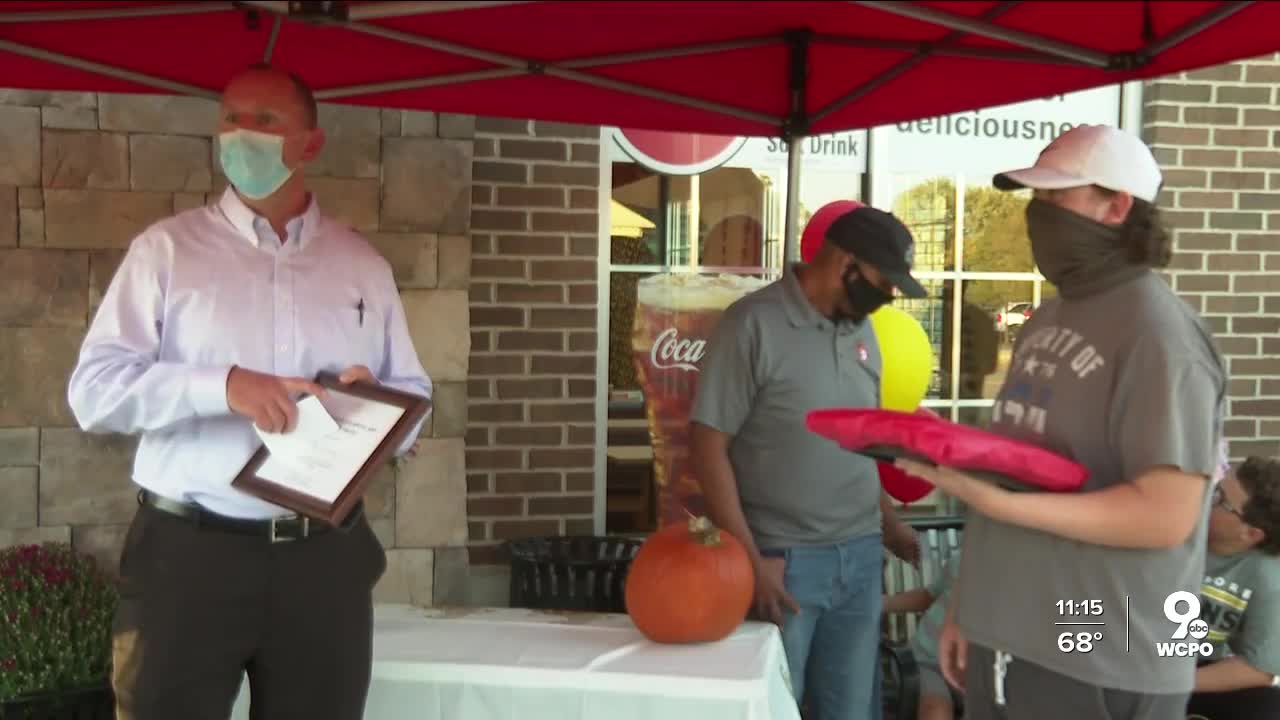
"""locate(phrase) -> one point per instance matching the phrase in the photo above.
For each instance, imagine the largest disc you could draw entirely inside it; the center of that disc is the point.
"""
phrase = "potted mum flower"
(56, 607)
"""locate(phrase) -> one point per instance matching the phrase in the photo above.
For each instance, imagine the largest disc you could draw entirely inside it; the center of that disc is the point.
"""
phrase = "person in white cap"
(1061, 608)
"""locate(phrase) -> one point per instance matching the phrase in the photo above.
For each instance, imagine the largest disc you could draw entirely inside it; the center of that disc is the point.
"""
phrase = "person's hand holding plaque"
(333, 442)
(356, 373)
(360, 373)
(268, 400)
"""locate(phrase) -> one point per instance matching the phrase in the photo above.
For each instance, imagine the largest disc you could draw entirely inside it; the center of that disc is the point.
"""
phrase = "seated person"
(1240, 598)
(938, 700)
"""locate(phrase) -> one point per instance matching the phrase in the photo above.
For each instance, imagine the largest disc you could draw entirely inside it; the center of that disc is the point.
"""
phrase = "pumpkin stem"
(703, 532)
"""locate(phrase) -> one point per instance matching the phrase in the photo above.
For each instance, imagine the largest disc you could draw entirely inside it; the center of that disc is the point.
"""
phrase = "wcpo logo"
(1189, 635)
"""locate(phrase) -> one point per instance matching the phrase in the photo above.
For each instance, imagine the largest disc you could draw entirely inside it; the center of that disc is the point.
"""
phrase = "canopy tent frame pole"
(516, 63)
(667, 53)
(790, 241)
(906, 46)
(107, 70)
(553, 70)
(1195, 27)
(921, 55)
(795, 128)
(938, 48)
(415, 83)
(330, 12)
(941, 18)
(272, 38)
(126, 13)
(567, 69)
(380, 10)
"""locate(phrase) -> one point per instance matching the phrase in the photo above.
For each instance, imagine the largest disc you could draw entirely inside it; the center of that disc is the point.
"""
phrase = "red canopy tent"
(786, 69)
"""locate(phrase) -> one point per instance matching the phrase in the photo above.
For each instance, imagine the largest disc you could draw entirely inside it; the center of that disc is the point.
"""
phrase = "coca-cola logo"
(672, 351)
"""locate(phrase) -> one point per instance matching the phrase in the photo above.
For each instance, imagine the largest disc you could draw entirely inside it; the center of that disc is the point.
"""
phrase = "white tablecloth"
(507, 664)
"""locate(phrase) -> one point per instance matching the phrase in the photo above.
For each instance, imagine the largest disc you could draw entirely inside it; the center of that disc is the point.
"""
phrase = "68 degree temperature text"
(1082, 642)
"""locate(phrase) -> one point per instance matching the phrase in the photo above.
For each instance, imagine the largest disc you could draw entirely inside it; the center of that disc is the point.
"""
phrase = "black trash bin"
(91, 703)
(586, 573)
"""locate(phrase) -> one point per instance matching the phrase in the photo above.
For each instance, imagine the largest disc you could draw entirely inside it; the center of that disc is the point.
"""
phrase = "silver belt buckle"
(306, 528)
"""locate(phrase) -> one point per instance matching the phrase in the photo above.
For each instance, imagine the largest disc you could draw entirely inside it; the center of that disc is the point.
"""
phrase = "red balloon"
(814, 232)
(901, 486)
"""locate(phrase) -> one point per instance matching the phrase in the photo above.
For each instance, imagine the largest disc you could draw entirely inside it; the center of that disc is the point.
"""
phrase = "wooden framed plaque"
(324, 473)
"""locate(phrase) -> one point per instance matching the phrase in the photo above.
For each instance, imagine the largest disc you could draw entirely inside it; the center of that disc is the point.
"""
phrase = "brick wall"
(81, 174)
(1217, 133)
(531, 434)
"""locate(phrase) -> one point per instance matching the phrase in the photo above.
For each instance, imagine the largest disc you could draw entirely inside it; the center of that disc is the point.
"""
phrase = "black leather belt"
(285, 528)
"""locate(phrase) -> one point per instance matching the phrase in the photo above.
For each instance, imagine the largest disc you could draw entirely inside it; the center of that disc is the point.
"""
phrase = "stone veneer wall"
(1216, 132)
(81, 174)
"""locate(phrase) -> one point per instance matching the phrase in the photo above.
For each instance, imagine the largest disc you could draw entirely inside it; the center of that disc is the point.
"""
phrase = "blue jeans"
(833, 644)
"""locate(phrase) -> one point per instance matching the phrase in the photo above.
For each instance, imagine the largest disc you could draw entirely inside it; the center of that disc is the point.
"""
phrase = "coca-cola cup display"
(676, 315)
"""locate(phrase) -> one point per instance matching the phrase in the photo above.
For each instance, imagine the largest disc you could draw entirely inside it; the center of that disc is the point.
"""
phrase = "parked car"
(1010, 319)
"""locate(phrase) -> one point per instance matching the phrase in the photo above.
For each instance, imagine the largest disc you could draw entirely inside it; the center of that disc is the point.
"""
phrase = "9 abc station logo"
(1187, 639)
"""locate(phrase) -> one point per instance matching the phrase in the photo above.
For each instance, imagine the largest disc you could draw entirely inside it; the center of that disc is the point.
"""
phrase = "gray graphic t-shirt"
(1240, 601)
(1121, 382)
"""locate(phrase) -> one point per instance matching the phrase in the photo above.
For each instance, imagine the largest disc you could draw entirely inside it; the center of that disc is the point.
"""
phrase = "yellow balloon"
(907, 357)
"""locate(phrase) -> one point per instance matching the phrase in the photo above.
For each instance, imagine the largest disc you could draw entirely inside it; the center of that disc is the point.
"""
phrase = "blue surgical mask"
(253, 162)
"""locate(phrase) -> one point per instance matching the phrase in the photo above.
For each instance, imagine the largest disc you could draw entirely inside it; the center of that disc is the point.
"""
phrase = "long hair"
(1149, 241)
(1143, 233)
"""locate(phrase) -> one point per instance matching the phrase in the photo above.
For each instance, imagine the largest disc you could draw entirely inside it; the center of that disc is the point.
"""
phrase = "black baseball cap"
(880, 240)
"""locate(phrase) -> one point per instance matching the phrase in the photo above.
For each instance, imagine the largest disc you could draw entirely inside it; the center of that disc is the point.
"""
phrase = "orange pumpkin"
(689, 584)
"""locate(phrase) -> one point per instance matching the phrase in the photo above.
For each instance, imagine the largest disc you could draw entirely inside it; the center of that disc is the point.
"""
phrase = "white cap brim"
(1038, 178)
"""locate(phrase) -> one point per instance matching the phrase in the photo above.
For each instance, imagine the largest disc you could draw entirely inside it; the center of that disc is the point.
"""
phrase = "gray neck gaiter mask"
(1080, 256)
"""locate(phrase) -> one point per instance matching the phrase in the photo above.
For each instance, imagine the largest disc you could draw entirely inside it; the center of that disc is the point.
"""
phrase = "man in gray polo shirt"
(809, 513)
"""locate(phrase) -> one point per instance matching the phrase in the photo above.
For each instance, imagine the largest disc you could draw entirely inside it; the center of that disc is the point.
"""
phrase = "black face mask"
(864, 298)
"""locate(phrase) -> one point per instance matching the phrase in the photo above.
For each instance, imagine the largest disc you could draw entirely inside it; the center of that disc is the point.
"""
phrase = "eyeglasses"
(1220, 500)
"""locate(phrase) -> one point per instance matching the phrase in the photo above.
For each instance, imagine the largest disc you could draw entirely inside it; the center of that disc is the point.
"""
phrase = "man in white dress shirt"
(215, 321)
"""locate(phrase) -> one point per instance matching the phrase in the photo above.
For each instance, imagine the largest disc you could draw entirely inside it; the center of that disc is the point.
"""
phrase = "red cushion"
(888, 434)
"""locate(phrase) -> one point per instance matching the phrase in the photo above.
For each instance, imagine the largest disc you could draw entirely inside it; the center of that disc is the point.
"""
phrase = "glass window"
(675, 236)
(734, 212)
(995, 231)
(974, 259)
(935, 174)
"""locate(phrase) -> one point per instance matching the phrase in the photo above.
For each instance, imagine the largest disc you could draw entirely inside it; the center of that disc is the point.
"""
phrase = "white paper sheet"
(314, 422)
(334, 437)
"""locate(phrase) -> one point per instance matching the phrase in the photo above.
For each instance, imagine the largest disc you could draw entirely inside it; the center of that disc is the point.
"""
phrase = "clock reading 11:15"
(1079, 607)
